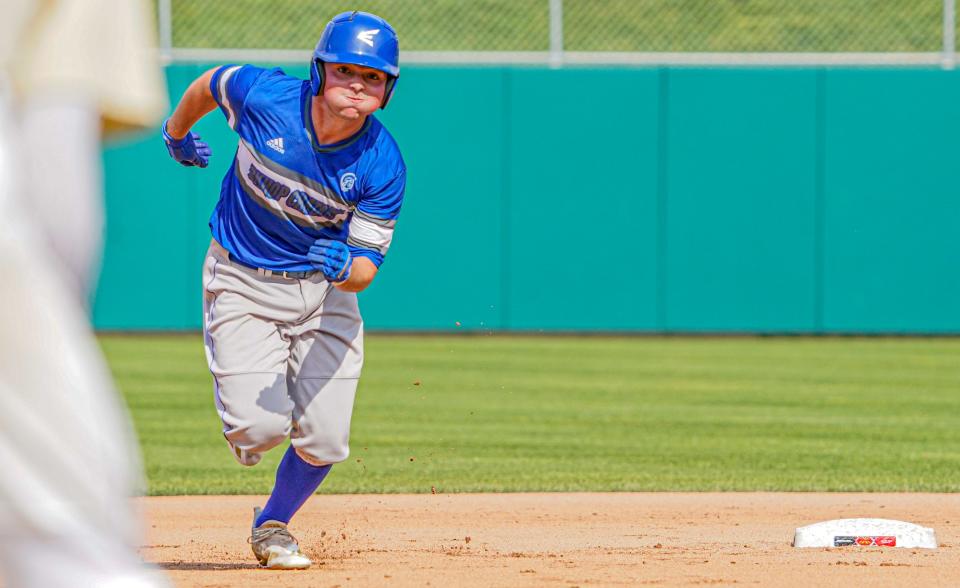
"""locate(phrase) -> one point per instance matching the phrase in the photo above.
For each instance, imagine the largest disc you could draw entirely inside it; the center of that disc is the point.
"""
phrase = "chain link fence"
(567, 30)
(753, 25)
(423, 25)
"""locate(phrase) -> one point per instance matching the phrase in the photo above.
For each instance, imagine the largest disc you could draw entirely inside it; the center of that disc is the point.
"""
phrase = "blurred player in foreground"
(306, 214)
(68, 68)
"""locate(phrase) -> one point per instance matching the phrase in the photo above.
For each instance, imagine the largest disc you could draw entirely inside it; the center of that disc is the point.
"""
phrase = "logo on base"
(865, 541)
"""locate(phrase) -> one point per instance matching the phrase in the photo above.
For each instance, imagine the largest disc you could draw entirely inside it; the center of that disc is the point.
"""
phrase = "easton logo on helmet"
(367, 36)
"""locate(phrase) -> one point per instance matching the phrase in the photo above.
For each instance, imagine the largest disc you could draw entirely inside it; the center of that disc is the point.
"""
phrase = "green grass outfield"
(494, 413)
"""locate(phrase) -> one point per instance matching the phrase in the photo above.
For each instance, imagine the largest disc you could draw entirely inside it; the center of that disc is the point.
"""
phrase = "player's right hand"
(189, 151)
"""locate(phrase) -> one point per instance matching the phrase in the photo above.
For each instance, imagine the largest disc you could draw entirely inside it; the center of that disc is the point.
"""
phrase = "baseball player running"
(306, 214)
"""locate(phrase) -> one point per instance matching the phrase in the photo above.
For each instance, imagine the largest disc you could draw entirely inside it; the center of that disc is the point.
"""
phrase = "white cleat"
(275, 547)
(279, 558)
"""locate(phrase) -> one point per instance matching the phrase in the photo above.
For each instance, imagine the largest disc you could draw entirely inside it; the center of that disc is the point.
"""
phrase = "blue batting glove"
(332, 258)
(189, 151)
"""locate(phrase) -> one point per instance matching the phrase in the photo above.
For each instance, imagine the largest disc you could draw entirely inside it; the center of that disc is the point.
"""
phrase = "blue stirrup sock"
(297, 480)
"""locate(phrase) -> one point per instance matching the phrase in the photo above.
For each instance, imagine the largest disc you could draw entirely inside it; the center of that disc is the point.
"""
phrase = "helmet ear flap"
(388, 90)
(316, 76)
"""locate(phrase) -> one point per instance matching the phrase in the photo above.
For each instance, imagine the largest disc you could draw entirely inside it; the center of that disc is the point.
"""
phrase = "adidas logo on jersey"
(276, 144)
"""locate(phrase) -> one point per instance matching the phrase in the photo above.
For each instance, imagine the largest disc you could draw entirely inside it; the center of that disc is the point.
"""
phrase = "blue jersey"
(285, 190)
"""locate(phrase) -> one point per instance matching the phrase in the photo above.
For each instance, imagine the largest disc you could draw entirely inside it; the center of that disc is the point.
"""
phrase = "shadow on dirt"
(202, 566)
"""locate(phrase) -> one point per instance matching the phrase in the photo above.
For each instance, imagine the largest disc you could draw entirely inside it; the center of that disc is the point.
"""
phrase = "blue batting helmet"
(358, 38)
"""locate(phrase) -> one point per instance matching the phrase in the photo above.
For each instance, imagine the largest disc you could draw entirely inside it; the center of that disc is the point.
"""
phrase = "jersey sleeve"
(371, 228)
(230, 85)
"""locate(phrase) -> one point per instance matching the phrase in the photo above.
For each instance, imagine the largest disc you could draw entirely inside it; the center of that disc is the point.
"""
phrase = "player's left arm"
(362, 273)
(343, 268)
(351, 266)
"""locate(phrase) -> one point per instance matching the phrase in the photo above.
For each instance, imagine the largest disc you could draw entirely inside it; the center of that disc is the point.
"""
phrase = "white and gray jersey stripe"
(369, 232)
(225, 96)
(329, 209)
(287, 194)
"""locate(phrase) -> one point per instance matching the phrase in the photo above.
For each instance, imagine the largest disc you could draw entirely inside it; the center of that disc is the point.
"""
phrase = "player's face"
(353, 91)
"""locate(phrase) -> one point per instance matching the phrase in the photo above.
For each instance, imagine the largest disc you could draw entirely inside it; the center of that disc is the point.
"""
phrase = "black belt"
(282, 274)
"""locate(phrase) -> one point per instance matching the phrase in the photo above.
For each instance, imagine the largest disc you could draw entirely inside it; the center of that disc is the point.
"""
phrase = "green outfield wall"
(659, 200)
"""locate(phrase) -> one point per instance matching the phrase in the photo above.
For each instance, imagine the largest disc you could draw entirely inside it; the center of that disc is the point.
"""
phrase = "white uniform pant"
(285, 355)
(70, 459)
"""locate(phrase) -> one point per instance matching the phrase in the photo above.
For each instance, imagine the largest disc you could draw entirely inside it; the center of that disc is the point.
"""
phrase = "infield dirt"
(628, 539)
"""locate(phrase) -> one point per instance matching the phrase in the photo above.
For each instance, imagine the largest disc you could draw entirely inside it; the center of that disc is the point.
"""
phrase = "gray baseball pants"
(285, 355)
